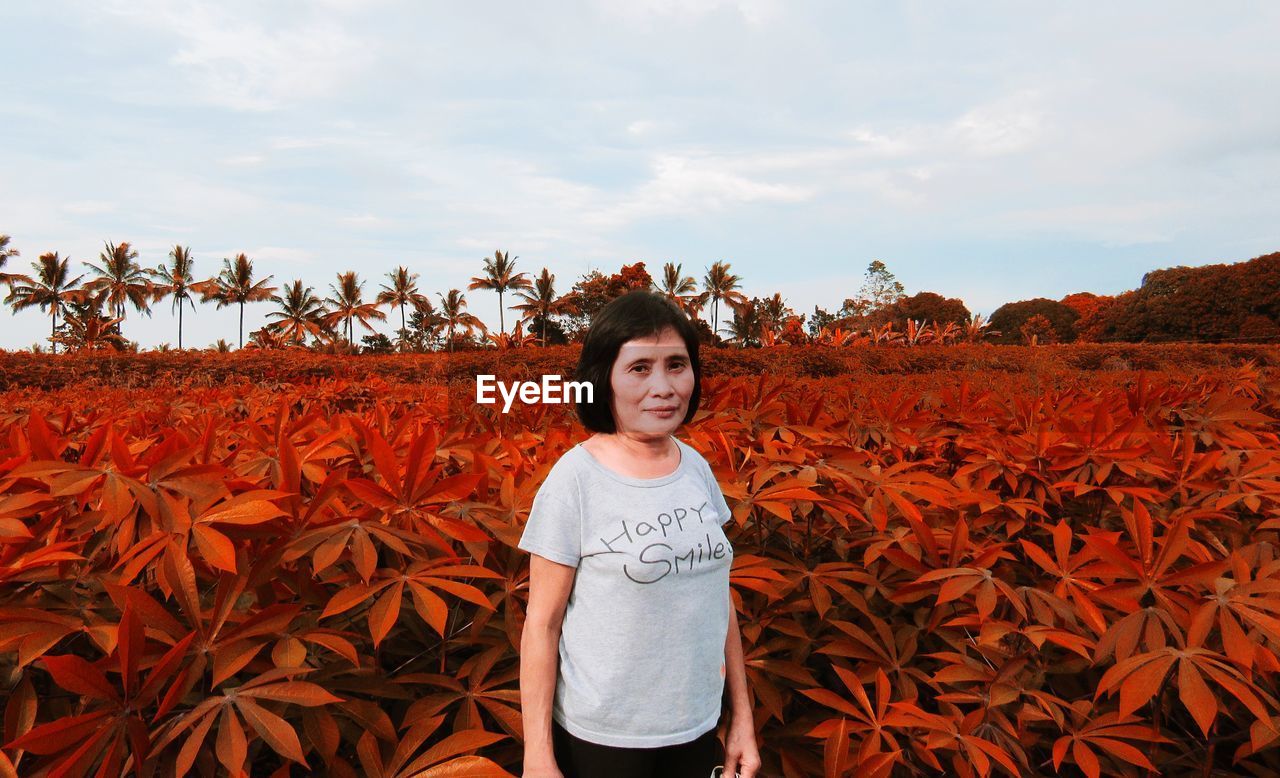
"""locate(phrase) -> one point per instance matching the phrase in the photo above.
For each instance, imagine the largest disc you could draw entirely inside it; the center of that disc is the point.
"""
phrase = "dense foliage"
(1221, 302)
(23, 369)
(953, 573)
(925, 306)
(1009, 320)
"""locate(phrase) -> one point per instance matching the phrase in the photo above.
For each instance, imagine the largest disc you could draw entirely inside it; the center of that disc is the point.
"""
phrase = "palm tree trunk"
(502, 328)
(544, 326)
(402, 328)
(179, 323)
(53, 332)
(242, 325)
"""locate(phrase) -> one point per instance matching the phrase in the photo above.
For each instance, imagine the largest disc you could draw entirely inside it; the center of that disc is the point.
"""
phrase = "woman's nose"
(662, 384)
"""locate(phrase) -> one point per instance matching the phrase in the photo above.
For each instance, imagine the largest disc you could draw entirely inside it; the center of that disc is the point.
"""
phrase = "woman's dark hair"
(636, 314)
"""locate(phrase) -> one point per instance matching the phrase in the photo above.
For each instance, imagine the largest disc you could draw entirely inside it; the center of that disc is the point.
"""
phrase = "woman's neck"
(647, 457)
(642, 447)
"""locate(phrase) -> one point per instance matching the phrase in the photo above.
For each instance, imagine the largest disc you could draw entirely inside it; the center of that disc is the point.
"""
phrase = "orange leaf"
(835, 751)
(457, 743)
(232, 747)
(1086, 760)
(384, 612)
(348, 598)
(296, 692)
(274, 730)
(453, 488)
(249, 512)
(1142, 684)
(429, 606)
(76, 675)
(60, 734)
(215, 547)
(1195, 695)
(191, 748)
(231, 658)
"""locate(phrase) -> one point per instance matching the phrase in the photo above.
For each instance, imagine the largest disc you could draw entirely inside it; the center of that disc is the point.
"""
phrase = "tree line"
(1225, 302)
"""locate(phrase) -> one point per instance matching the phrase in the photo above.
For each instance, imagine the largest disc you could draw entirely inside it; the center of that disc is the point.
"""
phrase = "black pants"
(577, 758)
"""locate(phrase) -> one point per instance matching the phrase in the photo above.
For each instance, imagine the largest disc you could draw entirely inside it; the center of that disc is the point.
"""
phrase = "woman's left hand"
(741, 755)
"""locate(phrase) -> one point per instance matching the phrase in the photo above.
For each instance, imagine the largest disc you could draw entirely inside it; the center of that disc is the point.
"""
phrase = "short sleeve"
(717, 495)
(554, 528)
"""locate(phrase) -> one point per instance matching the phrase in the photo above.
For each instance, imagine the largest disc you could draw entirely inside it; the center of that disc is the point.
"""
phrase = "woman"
(630, 636)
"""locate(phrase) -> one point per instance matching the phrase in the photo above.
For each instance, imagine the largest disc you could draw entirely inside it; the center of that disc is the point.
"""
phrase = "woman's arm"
(741, 754)
(549, 587)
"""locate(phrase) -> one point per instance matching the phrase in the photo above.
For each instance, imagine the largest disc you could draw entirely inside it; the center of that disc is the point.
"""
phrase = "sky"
(993, 151)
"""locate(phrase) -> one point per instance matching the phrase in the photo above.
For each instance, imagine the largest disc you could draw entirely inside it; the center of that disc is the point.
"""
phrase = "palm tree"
(267, 338)
(121, 280)
(348, 303)
(679, 288)
(500, 276)
(774, 313)
(719, 284)
(427, 322)
(176, 281)
(235, 284)
(402, 291)
(453, 314)
(5, 253)
(49, 289)
(301, 313)
(542, 302)
(746, 325)
(517, 338)
(87, 329)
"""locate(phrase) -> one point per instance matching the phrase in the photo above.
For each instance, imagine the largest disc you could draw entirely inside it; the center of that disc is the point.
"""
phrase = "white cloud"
(689, 185)
(1112, 223)
(366, 220)
(876, 144)
(238, 62)
(88, 207)
(265, 256)
(641, 127)
(289, 143)
(468, 242)
(1006, 126)
(391, 132)
(244, 160)
(536, 209)
(753, 12)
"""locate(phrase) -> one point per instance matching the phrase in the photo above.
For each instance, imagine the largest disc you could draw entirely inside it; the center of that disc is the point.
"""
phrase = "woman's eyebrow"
(638, 360)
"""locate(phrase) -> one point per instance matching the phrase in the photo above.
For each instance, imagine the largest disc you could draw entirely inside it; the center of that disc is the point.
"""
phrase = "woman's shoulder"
(572, 459)
(692, 455)
(565, 469)
(686, 449)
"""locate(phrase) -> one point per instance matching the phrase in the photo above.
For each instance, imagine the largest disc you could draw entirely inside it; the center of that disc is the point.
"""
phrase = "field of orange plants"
(950, 573)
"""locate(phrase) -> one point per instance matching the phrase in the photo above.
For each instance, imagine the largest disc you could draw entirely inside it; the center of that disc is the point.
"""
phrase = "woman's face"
(652, 381)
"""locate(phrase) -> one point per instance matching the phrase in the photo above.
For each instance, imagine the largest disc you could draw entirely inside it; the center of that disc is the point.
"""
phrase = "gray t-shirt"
(642, 642)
